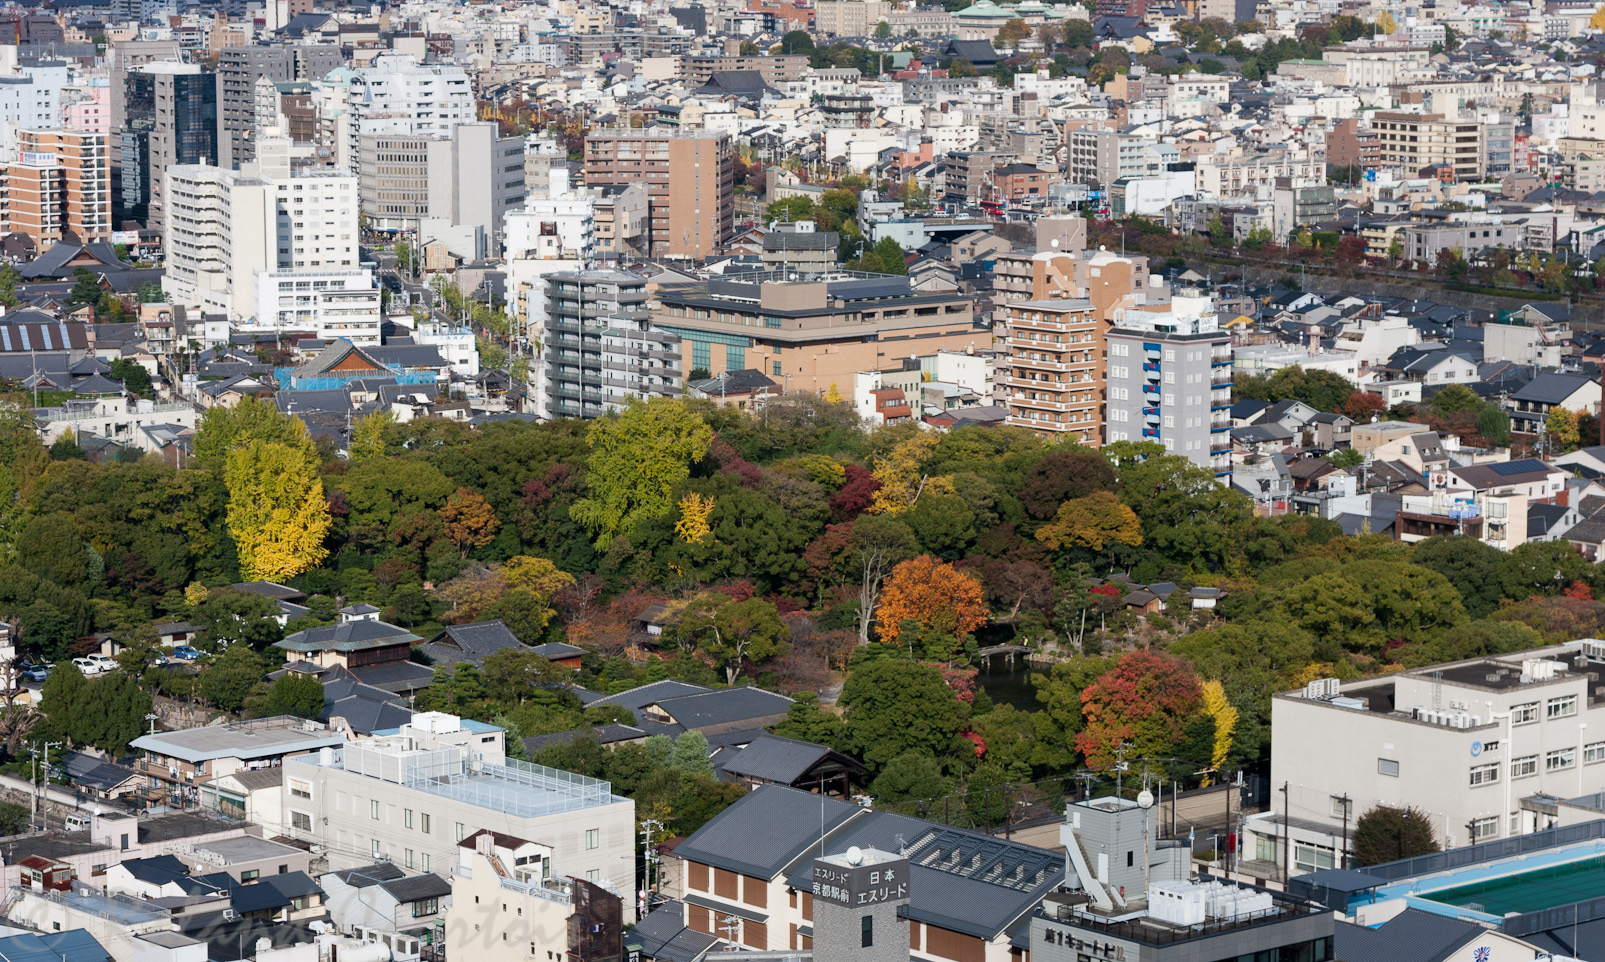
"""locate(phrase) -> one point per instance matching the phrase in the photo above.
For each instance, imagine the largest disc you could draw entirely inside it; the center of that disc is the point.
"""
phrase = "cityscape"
(802, 481)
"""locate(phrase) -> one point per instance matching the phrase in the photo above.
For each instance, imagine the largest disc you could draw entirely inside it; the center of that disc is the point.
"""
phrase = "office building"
(59, 183)
(171, 111)
(689, 181)
(775, 70)
(229, 232)
(1472, 744)
(1414, 142)
(238, 69)
(814, 332)
(412, 794)
(601, 345)
(464, 176)
(851, 18)
(1170, 382)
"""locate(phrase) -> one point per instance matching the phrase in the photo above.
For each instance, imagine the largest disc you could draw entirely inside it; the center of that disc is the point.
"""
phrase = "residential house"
(472, 643)
(760, 758)
(375, 652)
(1529, 407)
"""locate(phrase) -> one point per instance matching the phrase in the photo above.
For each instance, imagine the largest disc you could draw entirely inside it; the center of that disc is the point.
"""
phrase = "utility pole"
(1229, 836)
(649, 827)
(1343, 853)
(1287, 836)
(39, 748)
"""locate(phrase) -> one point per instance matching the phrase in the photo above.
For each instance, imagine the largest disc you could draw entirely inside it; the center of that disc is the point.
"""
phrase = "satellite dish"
(1145, 799)
(855, 855)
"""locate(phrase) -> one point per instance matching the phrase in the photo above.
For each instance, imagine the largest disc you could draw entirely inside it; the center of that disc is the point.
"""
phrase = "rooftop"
(514, 788)
(260, 738)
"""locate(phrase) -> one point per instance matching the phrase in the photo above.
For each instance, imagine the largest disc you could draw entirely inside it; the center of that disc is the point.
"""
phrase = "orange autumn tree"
(468, 520)
(942, 600)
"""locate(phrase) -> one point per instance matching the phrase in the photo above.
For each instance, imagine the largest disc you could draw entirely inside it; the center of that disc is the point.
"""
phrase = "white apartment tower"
(233, 236)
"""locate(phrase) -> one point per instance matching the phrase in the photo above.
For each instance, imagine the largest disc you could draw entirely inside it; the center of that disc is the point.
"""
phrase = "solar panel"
(1524, 466)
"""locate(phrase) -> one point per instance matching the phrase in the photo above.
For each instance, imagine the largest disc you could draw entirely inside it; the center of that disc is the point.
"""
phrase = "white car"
(88, 666)
(106, 662)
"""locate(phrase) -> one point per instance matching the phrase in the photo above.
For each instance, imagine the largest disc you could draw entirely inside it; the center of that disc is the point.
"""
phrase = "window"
(300, 789)
(1309, 858)
(1482, 828)
(376, 852)
(1388, 766)
(1524, 714)
(593, 838)
(462, 832)
(423, 823)
(373, 807)
(1564, 707)
(1342, 807)
(301, 821)
(406, 817)
(1560, 760)
(1594, 753)
(250, 875)
(1524, 766)
(1484, 774)
(594, 875)
(409, 857)
(425, 907)
(866, 932)
(425, 865)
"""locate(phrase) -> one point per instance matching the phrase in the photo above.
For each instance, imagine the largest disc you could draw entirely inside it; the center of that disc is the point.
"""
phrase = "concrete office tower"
(237, 71)
(858, 896)
(1170, 381)
(689, 181)
(229, 232)
(60, 182)
(171, 111)
(122, 56)
(476, 177)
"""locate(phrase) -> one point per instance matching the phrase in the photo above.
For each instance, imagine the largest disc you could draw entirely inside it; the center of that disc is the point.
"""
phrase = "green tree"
(788, 209)
(512, 675)
(883, 30)
(639, 456)
(807, 722)
(734, 633)
(228, 680)
(1386, 834)
(369, 437)
(49, 546)
(239, 618)
(1059, 719)
(1475, 569)
(690, 755)
(222, 429)
(292, 693)
(133, 376)
(895, 706)
(797, 41)
(1077, 33)
(9, 278)
(911, 776)
(86, 288)
(890, 255)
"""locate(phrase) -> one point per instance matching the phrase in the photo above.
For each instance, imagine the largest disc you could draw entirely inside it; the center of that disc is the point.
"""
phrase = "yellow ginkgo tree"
(276, 509)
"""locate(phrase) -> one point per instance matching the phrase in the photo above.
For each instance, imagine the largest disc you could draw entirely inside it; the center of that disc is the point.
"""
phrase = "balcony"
(1150, 433)
(1221, 378)
(1151, 389)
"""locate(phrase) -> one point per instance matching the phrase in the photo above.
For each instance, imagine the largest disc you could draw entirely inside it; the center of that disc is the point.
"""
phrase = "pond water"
(1009, 687)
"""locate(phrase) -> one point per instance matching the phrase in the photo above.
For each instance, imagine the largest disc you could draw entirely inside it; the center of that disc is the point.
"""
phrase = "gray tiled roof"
(776, 759)
(766, 830)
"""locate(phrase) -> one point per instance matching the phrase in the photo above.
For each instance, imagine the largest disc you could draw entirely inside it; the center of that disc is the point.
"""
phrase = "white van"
(77, 823)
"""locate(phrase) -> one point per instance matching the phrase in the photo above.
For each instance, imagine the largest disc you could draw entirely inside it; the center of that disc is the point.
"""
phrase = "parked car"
(186, 652)
(33, 672)
(88, 666)
(106, 662)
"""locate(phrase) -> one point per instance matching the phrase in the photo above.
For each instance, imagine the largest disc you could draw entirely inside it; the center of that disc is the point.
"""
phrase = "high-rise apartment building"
(399, 95)
(123, 56)
(171, 111)
(238, 69)
(241, 242)
(601, 346)
(1055, 383)
(59, 183)
(690, 184)
(1170, 382)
